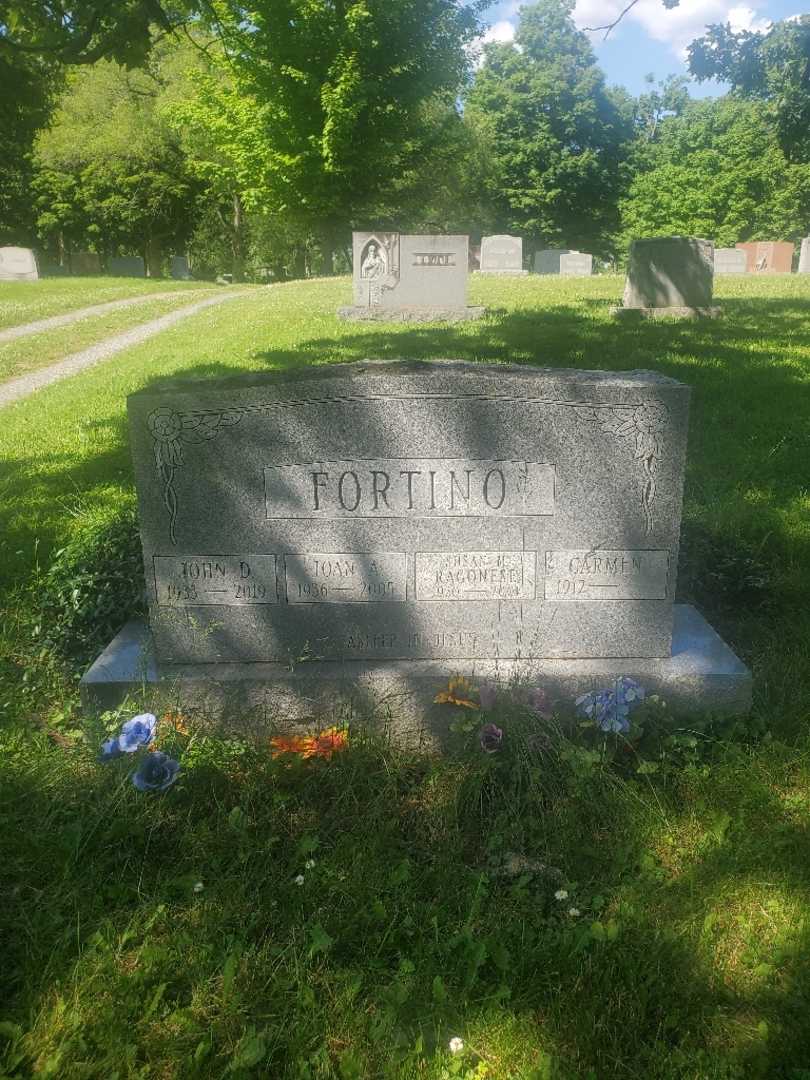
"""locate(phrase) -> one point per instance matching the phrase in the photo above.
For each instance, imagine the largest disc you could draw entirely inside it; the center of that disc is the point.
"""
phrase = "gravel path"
(68, 317)
(15, 389)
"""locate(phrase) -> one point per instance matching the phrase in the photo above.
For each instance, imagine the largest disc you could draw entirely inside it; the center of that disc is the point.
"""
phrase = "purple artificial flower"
(610, 709)
(486, 696)
(137, 732)
(539, 703)
(156, 772)
(490, 737)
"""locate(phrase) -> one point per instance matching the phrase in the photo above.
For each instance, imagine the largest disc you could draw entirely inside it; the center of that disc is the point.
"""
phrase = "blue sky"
(650, 38)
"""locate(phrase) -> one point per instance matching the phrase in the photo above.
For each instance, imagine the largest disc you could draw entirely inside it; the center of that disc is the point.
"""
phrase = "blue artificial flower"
(137, 732)
(156, 772)
(610, 709)
(109, 750)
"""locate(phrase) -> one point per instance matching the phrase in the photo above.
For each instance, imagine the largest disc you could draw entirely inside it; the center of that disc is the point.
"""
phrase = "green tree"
(111, 171)
(772, 67)
(717, 171)
(555, 134)
(343, 89)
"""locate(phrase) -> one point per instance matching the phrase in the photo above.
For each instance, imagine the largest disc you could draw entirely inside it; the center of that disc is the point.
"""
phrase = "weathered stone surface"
(85, 263)
(381, 525)
(502, 255)
(127, 266)
(18, 264)
(576, 264)
(730, 261)
(628, 314)
(804, 256)
(178, 268)
(702, 674)
(768, 257)
(395, 272)
(670, 272)
(548, 260)
(411, 314)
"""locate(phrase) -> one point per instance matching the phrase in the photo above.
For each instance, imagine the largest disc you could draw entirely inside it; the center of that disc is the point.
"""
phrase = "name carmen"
(416, 489)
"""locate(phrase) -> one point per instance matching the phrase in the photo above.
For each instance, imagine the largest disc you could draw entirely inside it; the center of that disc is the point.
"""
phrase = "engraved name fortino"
(409, 487)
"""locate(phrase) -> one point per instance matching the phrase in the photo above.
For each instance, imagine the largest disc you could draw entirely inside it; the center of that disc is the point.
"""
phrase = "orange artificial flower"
(457, 693)
(324, 745)
(175, 718)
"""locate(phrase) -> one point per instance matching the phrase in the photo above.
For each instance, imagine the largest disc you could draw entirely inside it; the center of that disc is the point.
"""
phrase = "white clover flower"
(299, 879)
(198, 887)
(309, 864)
(561, 894)
(456, 1045)
(574, 912)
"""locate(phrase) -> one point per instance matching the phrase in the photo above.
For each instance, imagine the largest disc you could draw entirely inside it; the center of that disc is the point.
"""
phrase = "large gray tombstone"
(502, 255)
(397, 277)
(18, 264)
(548, 260)
(670, 276)
(359, 532)
(576, 264)
(730, 261)
(804, 256)
(126, 266)
(178, 268)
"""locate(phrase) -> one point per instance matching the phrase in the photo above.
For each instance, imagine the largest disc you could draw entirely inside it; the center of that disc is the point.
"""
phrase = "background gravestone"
(502, 255)
(18, 264)
(576, 264)
(547, 261)
(669, 275)
(768, 257)
(369, 529)
(804, 256)
(126, 266)
(730, 261)
(409, 278)
(85, 263)
(178, 268)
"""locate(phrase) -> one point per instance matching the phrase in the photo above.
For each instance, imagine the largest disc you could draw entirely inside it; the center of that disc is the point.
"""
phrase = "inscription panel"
(475, 575)
(606, 575)
(409, 487)
(226, 580)
(356, 577)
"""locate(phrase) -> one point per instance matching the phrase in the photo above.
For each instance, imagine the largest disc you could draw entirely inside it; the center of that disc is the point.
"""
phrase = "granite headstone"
(502, 255)
(768, 256)
(804, 256)
(178, 268)
(669, 275)
(126, 266)
(547, 261)
(409, 278)
(730, 261)
(576, 264)
(368, 529)
(18, 264)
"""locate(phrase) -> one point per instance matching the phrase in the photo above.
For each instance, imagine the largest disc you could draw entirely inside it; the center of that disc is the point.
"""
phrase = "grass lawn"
(682, 947)
(26, 301)
(37, 351)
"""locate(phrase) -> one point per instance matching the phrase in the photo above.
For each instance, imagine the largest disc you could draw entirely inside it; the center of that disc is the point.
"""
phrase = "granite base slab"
(666, 313)
(702, 675)
(410, 314)
(502, 273)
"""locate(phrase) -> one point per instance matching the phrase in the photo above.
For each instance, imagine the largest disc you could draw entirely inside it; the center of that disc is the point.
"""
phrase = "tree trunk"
(238, 240)
(299, 262)
(154, 257)
(327, 243)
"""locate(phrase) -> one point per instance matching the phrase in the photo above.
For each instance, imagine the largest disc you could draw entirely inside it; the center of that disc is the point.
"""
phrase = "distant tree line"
(256, 138)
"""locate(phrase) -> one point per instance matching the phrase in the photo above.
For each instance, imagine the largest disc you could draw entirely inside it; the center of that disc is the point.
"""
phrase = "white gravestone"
(502, 255)
(804, 256)
(576, 264)
(18, 264)
(547, 261)
(730, 261)
(409, 278)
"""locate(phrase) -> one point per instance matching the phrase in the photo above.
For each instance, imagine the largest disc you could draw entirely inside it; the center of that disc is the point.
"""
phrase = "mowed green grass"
(36, 351)
(26, 301)
(687, 956)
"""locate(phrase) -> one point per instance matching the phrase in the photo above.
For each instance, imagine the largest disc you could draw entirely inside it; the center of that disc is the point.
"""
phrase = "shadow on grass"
(406, 927)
